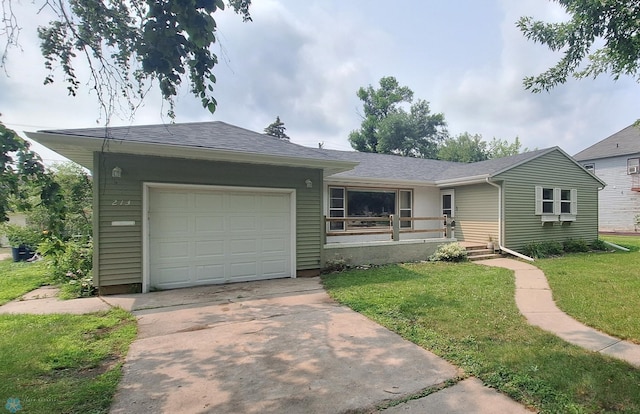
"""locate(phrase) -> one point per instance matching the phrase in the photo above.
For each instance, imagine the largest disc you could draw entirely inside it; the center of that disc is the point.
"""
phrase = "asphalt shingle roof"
(207, 135)
(395, 167)
(221, 136)
(621, 143)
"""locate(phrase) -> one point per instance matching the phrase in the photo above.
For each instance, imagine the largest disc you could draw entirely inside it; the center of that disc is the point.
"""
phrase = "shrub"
(599, 245)
(335, 265)
(539, 250)
(451, 252)
(72, 263)
(576, 246)
(22, 235)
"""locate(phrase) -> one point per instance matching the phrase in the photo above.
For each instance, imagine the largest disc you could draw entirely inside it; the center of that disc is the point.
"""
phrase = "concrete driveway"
(280, 346)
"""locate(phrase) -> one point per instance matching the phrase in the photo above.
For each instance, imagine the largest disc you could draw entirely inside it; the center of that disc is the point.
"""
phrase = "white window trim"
(557, 215)
(345, 208)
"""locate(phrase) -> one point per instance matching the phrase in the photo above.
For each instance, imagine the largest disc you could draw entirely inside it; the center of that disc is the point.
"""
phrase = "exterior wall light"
(309, 183)
(116, 172)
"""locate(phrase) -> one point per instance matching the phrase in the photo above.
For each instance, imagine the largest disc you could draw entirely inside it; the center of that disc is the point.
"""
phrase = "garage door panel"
(241, 202)
(209, 201)
(274, 268)
(243, 269)
(169, 250)
(169, 201)
(208, 249)
(210, 274)
(276, 202)
(209, 223)
(273, 222)
(168, 225)
(217, 236)
(243, 247)
(237, 223)
(173, 276)
(275, 246)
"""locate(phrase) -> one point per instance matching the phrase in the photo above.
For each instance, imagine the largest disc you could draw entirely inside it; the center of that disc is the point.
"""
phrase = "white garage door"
(203, 236)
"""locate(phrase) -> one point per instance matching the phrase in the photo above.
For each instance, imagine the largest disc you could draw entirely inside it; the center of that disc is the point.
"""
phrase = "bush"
(599, 245)
(451, 252)
(22, 235)
(72, 263)
(335, 265)
(576, 246)
(539, 250)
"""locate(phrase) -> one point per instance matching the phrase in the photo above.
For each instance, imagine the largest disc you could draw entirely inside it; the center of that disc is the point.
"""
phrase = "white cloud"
(304, 61)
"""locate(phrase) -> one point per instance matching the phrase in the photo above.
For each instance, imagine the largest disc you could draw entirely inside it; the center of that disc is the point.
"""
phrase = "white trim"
(146, 186)
(452, 193)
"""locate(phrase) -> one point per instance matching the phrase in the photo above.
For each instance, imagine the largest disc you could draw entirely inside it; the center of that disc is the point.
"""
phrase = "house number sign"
(121, 203)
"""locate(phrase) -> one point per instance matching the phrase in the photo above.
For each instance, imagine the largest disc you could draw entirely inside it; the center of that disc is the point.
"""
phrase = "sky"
(305, 60)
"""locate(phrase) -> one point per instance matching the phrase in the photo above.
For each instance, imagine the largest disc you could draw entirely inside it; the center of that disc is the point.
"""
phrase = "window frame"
(633, 166)
(564, 202)
(342, 226)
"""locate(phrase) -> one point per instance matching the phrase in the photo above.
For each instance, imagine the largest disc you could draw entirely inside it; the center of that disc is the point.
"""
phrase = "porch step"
(480, 253)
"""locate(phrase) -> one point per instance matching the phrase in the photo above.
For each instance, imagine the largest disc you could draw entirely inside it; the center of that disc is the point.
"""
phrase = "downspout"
(500, 226)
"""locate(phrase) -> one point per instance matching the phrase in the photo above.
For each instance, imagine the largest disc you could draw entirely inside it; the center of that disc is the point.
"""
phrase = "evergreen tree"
(276, 129)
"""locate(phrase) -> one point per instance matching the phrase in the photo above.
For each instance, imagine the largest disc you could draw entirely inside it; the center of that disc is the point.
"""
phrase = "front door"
(447, 203)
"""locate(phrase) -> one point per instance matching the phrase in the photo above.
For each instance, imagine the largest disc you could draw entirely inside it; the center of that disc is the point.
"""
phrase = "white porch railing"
(360, 226)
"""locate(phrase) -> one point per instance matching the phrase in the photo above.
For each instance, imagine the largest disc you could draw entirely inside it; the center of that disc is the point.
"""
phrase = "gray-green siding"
(118, 257)
(552, 170)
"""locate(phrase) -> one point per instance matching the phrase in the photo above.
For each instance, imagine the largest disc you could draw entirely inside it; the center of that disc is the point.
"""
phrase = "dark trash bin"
(21, 253)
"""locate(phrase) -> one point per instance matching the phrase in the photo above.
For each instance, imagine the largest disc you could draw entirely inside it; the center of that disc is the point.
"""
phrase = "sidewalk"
(535, 301)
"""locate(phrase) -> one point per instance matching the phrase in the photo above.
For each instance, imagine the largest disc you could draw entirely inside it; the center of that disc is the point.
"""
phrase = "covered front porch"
(356, 241)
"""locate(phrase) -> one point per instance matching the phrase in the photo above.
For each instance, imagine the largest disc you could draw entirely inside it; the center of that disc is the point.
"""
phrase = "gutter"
(463, 181)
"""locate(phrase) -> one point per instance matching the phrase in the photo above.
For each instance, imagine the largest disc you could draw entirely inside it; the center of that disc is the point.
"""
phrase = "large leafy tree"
(129, 45)
(599, 37)
(388, 128)
(464, 148)
(472, 148)
(277, 129)
(499, 148)
(25, 184)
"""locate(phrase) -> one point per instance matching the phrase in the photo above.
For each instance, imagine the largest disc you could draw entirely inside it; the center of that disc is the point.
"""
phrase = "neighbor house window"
(556, 204)
(633, 166)
(590, 167)
(368, 203)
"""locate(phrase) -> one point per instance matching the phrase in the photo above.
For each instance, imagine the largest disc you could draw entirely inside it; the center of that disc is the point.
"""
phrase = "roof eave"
(369, 181)
(476, 179)
(81, 149)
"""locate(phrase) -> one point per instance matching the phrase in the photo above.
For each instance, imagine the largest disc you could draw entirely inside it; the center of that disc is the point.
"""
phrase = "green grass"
(63, 363)
(16, 279)
(466, 313)
(601, 290)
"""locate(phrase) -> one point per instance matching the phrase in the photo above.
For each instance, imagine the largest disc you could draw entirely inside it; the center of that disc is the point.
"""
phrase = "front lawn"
(16, 279)
(63, 363)
(466, 313)
(58, 363)
(601, 290)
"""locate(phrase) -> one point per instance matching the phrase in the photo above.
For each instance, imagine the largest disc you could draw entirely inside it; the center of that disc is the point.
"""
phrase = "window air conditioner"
(633, 169)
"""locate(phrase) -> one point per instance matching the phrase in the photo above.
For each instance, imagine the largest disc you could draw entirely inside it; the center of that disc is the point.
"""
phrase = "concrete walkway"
(535, 301)
(271, 346)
